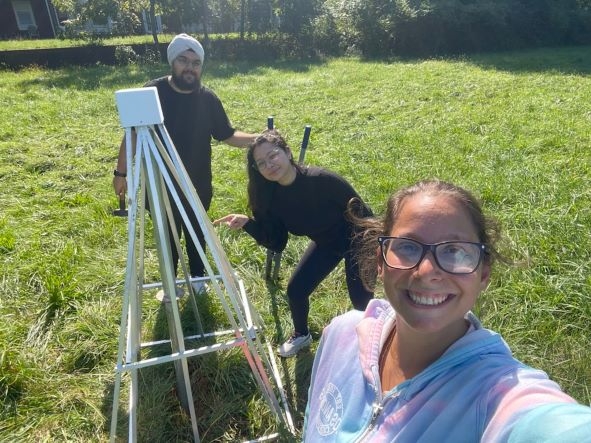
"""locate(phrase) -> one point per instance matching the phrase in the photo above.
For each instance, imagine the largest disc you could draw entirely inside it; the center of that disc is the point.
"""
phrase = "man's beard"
(184, 85)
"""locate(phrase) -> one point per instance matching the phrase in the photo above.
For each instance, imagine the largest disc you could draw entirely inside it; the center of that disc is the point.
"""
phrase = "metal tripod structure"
(153, 171)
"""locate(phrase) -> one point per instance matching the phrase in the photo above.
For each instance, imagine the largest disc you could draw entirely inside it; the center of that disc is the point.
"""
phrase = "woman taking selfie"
(419, 366)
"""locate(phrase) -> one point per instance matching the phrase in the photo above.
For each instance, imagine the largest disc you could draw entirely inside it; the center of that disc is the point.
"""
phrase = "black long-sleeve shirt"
(313, 205)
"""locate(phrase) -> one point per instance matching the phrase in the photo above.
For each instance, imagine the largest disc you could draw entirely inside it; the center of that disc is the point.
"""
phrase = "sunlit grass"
(24, 43)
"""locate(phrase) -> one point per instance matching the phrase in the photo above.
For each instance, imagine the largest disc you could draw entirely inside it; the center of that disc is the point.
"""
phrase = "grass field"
(515, 128)
(23, 44)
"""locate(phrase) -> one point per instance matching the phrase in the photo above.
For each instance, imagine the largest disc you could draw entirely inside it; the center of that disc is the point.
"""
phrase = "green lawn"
(23, 44)
(514, 128)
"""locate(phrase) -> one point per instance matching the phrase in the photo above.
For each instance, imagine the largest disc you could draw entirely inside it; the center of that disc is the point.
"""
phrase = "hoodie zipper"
(490, 342)
(378, 404)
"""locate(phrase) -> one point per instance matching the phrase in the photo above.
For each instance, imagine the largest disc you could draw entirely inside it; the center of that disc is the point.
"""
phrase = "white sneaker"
(294, 344)
(200, 287)
(161, 296)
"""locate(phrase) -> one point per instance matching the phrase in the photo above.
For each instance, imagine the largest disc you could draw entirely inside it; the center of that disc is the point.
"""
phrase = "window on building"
(24, 14)
(148, 23)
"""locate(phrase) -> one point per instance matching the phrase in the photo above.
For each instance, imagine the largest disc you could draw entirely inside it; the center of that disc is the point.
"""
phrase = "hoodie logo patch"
(331, 410)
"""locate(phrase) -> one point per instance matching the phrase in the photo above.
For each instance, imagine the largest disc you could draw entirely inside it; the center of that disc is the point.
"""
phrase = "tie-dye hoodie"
(476, 391)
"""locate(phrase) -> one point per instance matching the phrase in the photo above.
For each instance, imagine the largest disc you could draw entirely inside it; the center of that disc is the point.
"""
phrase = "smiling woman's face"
(272, 162)
(426, 298)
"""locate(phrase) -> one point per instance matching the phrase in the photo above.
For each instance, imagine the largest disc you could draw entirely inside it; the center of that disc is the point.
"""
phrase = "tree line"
(366, 27)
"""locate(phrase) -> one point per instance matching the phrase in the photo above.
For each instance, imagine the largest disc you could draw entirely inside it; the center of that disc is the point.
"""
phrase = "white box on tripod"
(139, 107)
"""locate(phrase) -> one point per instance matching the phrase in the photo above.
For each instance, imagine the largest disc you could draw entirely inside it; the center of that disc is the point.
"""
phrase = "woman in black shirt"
(306, 201)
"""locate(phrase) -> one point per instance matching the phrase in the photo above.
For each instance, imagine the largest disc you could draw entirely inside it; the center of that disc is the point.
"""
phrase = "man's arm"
(119, 181)
(240, 139)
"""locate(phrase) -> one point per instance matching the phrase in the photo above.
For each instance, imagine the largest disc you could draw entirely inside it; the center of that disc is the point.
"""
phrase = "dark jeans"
(314, 266)
(196, 267)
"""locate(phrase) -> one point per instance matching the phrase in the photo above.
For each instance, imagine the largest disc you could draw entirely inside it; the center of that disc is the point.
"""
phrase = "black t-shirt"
(313, 205)
(191, 121)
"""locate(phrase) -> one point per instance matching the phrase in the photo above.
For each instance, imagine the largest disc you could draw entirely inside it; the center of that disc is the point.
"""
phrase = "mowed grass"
(513, 128)
(25, 44)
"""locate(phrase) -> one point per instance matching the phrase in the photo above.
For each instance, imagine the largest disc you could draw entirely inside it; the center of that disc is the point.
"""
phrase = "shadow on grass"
(564, 60)
(227, 400)
(574, 60)
(303, 372)
(162, 407)
(275, 290)
(296, 387)
(133, 76)
(570, 60)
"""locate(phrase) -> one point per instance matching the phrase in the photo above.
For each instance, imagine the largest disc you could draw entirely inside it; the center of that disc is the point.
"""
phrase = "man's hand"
(119, 180)
(120, 186)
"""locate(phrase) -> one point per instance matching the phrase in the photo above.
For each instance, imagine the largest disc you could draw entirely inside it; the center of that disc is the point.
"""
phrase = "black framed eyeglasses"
(454, 257)
(193, 64)
(268, 161)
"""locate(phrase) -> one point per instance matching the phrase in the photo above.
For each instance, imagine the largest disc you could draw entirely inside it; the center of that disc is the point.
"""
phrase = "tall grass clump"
(511, 127)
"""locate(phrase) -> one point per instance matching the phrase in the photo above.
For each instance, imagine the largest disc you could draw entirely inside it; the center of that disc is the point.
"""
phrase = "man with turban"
(193, 114)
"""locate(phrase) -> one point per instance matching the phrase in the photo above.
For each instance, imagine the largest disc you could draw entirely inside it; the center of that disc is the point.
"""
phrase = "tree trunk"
(242, 18)
(153, 27)
(205, 22)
